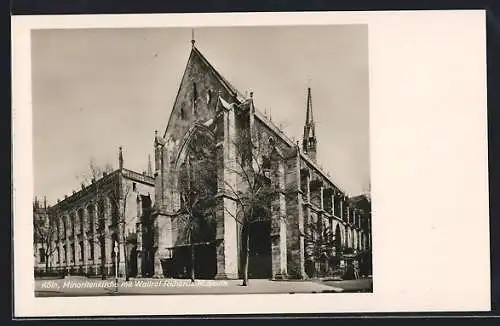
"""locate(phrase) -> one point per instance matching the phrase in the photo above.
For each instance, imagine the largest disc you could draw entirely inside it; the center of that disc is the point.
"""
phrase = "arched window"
(90, 224)
(101, 218)
(115, 213)
(72, 224)
(41, 255)
(81, 221)
(65, 227)
(58, 234)
(197, 182)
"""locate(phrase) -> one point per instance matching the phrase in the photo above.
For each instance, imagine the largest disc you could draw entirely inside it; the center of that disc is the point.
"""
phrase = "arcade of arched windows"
(81, 235)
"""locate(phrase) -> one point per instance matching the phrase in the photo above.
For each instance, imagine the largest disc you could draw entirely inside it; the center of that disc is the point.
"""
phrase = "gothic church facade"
(312, 223)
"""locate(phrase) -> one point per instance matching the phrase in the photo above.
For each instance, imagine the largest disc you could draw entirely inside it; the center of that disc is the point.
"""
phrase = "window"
(91, 220)
(58, 255)
(115, 213)
(134, 186)
(81, 250)
(81, 220)
(195, 97)
(72, 253)
(91, 247)
(209, 96)
(41, 253)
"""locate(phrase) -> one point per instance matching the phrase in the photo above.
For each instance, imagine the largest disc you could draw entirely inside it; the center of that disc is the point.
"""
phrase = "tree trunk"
(46, 263)
(192, 262)
(103, 258)
(247, 258)
(125, 260)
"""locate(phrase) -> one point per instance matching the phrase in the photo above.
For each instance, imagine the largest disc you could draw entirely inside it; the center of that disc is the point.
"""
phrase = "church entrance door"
(260, 258)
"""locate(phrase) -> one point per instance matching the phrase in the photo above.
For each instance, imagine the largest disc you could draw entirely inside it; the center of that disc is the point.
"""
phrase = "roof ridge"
(230, 87)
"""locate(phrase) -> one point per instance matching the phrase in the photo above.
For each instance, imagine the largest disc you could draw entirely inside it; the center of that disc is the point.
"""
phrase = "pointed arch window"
(195, 97)
(198, 183)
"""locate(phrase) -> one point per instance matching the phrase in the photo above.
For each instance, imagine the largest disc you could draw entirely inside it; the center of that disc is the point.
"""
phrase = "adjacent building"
(78, 234)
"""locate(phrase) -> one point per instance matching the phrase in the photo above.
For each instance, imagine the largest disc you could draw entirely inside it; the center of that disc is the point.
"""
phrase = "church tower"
(309, 141)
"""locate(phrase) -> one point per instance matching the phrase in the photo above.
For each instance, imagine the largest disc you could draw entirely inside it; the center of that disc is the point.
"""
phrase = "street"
(82, 286)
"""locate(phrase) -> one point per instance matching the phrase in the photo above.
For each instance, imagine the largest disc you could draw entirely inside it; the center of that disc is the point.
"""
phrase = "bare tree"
(45, 228)
(255, 192)
(319, 238)
(118, 195)
(92, 176)
(197, 181)
(117, 192)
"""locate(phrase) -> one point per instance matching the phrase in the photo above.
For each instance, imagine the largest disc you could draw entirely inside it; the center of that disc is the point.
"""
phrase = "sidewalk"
(359, 285)
(82, 286)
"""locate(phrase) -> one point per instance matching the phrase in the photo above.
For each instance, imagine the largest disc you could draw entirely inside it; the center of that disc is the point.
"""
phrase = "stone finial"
(251, 95)
(120, 157)
(150, 168)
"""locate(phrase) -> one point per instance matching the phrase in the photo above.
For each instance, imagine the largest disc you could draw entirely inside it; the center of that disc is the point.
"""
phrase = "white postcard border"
(428, 165)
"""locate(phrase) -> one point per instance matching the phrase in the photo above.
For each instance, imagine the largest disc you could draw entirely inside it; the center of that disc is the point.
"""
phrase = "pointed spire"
(309, 139)
(192, 37)
(150, 169)
(309, 115)
(120, 158)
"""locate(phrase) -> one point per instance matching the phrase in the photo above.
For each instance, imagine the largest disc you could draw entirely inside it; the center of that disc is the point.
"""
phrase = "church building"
(228, 182)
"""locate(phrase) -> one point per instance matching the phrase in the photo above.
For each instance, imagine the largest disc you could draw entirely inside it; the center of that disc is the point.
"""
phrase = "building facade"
(78, 234)
(227, 184)
(311, 222)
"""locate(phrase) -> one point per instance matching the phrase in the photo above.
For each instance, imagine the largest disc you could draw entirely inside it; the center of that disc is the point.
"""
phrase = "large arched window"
(197, 182)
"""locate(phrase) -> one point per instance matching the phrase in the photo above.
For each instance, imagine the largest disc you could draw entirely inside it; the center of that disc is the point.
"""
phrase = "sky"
(97, 89)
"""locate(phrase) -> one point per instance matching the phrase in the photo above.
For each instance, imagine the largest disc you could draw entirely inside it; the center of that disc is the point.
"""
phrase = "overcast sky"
(96, 89)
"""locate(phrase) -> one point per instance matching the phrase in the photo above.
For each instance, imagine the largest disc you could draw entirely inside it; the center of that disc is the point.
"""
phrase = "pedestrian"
(356, 269)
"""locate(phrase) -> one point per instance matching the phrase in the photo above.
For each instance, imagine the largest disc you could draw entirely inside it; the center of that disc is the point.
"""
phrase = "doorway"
(260, 257)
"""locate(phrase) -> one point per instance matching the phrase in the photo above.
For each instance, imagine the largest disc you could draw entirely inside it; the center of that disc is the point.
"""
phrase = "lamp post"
(116, 266)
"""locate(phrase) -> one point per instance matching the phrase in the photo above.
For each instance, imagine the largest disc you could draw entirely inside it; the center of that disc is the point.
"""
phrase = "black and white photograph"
(201, 160)
(250, 164)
